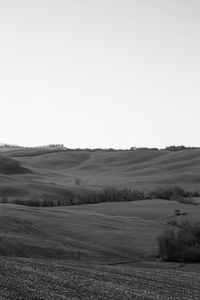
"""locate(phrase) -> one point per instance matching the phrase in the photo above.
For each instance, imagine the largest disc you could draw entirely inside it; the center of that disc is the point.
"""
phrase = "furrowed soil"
(47, 279)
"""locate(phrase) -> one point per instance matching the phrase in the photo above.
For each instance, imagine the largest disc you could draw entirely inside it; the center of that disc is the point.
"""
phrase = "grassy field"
(82, 234)
(101, 232)
(53, 172)
(155, 210)
(135, 169)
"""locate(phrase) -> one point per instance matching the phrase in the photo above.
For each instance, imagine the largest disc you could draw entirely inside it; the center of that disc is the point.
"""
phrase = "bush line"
(84, 196)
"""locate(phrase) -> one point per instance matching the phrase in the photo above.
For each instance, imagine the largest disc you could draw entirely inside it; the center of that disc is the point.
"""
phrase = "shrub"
(177, 212)
(19, 201)
(181, 245)
(4, 200)
(169, 193)
(173, 223)
(78, 181)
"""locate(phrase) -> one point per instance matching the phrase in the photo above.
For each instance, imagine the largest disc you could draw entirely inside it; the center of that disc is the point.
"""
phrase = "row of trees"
(85, 196)
(61, 147)
(168, 148)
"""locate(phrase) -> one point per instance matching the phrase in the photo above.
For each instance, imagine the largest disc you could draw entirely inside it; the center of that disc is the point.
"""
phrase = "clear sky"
(100, 73)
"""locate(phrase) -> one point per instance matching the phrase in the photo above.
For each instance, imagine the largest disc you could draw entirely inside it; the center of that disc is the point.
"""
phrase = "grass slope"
(143, 170)
(62, 232)
(11, 166)
(97, 232)
(60, 243)
(123, 168)
(156, 209)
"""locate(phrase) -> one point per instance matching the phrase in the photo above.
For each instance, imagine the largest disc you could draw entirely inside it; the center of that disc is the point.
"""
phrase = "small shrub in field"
(78, 181)
(177, 212)
(182, 245)
(173, 223)
(4, 200)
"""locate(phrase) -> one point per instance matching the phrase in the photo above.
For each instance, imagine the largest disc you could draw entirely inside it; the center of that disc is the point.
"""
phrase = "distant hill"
(37, 171)
(19, 150)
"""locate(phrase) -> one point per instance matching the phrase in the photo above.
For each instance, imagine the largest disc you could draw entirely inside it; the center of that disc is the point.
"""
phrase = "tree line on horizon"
(61, 147)
(168, 148)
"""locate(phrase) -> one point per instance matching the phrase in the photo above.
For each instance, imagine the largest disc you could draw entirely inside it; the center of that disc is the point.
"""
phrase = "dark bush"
(177, 212)
(181, 245)
(19, 201)
(173, 223)
(4, 200)
(169, 193)
(11, 166)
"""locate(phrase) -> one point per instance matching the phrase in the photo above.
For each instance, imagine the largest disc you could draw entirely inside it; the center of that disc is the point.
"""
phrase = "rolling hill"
(99, 251)
(104, 232)
(83, 235)
(10, 166)
(95, 251)
(53, 172)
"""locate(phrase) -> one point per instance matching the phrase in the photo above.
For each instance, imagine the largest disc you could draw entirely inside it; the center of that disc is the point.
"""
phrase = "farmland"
(97, 232)
(67, 233)
(52, 173)
(44, 279)
(97, 251)
(94, 251)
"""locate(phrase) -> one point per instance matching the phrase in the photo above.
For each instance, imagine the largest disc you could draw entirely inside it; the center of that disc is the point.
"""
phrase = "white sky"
(100, 73)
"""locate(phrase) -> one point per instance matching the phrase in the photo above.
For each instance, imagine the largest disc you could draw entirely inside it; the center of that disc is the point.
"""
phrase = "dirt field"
(53, 280)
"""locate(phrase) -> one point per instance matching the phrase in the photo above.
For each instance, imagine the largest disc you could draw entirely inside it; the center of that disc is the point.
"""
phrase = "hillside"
(125, 167)
(75, 234)
(10, 166)
(97, 251)
(54, 172)
(98, 232)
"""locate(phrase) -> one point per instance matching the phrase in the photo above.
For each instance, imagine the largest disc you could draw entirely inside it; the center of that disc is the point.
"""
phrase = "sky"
(100, 73)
